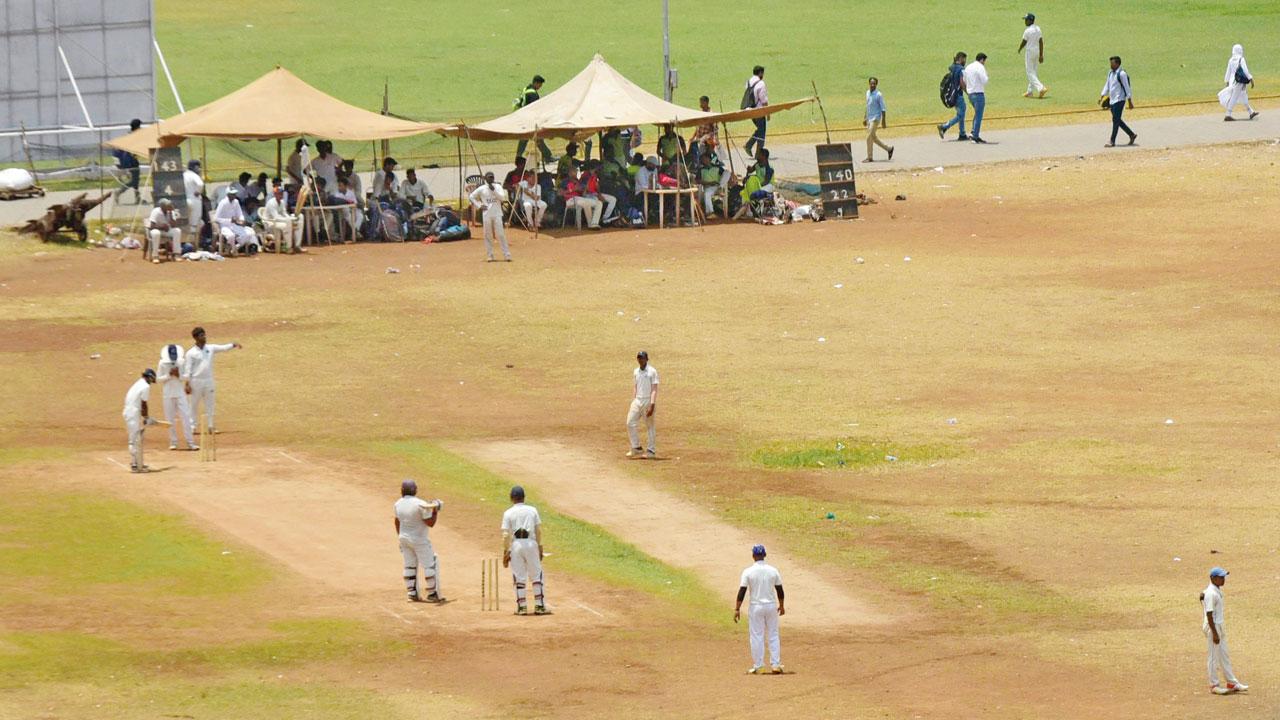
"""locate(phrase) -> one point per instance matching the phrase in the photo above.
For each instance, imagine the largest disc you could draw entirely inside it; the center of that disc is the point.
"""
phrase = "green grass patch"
(580, 547)
(69, 542)
(850, 454)
(15, 455)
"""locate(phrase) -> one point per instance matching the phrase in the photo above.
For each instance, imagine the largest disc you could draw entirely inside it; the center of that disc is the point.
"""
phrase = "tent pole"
(204, 160)
(279, 159)
(825, 127)
(728, 144)
(101, 205)
(461, 187)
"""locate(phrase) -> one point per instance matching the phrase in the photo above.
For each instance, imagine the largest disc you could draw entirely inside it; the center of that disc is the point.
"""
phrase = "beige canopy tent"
(276, 106)
(595, 100)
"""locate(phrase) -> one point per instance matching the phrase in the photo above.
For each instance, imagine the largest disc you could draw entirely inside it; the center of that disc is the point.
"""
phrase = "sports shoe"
(413, 597)
(635, 452)
(757, 670)
(541, 610)
(891, 152)
(962, 137)
(1044, 92)
(1254, 114)
(522, 610)
(650, 455)
(1026, 94)
(777, 669)
(1218, 690)
(1237, 687)
(434, 598)
(979, 140)
(173, 446)
(942, 132)
(1228, 119)
(194, 447)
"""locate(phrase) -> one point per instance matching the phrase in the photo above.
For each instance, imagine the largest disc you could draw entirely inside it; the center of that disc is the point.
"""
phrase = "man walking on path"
(763, 582)
(1033, 45)
(1216, 635)
(875, 118)
(1115, 93)
(1238, 80)
(957, 77)
(975, 82)
(522, 552)
(756, 95)
(643, 405)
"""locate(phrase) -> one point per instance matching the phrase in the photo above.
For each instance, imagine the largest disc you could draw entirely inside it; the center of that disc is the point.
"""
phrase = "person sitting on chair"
(415, 193)
(350, 214)
(529, 193)
(514, 177)
(232, 225)
(242, 187)
(380, 187)
(286, 228)
(592, 180)
(164, 221)
(710, 179)
(759, 180)
(578, 198)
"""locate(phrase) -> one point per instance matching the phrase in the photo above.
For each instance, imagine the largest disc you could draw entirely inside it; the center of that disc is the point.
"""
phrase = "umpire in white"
(522, 551)
(413, 517)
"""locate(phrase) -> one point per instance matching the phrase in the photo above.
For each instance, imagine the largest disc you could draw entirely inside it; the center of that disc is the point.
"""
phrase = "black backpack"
(749, 96)
(1241, 77)
(949, 89)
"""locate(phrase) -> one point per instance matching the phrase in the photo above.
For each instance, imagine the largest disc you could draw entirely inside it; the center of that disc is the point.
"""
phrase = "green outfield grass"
(445, 62)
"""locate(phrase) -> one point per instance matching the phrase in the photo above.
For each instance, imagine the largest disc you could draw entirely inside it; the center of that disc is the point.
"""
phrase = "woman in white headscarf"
(1238, 80)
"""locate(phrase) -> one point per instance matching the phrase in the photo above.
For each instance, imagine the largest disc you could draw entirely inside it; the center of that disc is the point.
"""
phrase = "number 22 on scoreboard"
(841, 194)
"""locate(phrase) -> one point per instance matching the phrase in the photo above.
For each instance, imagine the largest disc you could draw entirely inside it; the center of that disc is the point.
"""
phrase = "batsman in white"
(1216, 636)
(413, 517)
(522, 551)
(136, 417)
(198, 364)
(763, 582)
(174, 382)
(643, 406)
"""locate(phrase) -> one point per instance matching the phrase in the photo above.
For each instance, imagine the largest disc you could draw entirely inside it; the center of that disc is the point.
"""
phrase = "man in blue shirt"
(875, 118)
(127, 161)
(957, 77)
(1115, 93)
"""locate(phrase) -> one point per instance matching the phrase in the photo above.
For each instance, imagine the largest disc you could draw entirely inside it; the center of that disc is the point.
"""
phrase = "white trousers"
(590, 206)
(1033, 66)
(419, 554)
(525, 563)
(534, 210)
(1239, 96)
(195, 206)
(201, 392)
(134, 427)
(708, 198)
(240, 235)
(638, 414)
(175, 241)
(178, 413)
(762, 624)
(287, 232)
(493, 230)
(610, 202)
(1219, 659)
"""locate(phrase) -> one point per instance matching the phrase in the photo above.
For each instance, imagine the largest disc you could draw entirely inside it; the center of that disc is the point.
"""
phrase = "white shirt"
(380, 179)
(228, 210)
(759, 580)
(412, 512)
(521, 517)
(274, 211)
(759, 91)
(199, 361)
(531, 193)
(646, 380)
(173, 386)
(161, 220)
(646, 179)
(975, 78)
(1117, 86)
(415, 191)
(294, 166)
(1032, 35)
(193, 183)
(1213, 603)
(489, 198)
(139, 392)
(327, 168)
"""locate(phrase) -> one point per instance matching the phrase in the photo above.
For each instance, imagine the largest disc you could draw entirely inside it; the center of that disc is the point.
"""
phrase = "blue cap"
(758, 550)
(517, 492)
(1218, 572)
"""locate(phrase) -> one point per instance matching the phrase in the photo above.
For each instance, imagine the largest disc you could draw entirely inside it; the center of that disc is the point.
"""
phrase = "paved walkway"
(925, 151)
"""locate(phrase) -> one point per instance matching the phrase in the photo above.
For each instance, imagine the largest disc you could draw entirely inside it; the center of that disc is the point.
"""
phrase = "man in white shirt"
(232, 224)
(643, 405)
(757, 95)
(193, 183)
(136, 418)
(530, 194)
(164, 221)
(326, 163)
(1216, 635)
(522, 551)
(294, 167)
(198, 363)
(413, 517)
(975, 82)
(380, 187)
(173, 380)
(415, 191)
(764, 584)
(285, 228)
(489, 198)
(1033, 46)
(1116, 91)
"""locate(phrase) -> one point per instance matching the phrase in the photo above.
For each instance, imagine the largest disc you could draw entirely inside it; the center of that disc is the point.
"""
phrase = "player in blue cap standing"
(764, 584)
(1214, 633)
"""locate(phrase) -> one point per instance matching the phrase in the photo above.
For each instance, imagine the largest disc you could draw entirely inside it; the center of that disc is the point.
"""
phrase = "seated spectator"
(242, 186)
(164, 221)
(567, 162)
(294, 167)
(351, 214)
(325, 164)
(415, 192)
(354, 182)
(646, 177)
(529, 195)
(288, 195)
(232, 225)
(577, 197)
(258, 189)
(279, 223)
(613, 148)
(711, 177)
(758, 182)
(380, 187)
(670, 145)
(592, 179)
(514, 177)
(706, 137)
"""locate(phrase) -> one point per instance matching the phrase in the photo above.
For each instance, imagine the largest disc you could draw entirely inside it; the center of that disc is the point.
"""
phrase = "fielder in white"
(1216, 636)
(164, 221)
(198, 363)
(413, 517)
(1032, 46)
(174, 383)
(764, 584)
(522, 551)
(643, 405)
(136, 417)
(489, 198)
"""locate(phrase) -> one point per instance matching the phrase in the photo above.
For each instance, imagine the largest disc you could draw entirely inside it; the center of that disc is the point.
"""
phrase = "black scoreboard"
(167, 181)
(835, 173)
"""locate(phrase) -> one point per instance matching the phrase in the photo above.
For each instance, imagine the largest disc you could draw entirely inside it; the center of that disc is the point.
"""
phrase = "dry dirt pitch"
(1038, 557)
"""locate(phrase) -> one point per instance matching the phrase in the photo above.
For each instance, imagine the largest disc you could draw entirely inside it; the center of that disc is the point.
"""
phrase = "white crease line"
(590, 610)
(291, 457)
(117, 462)
(398, 616)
